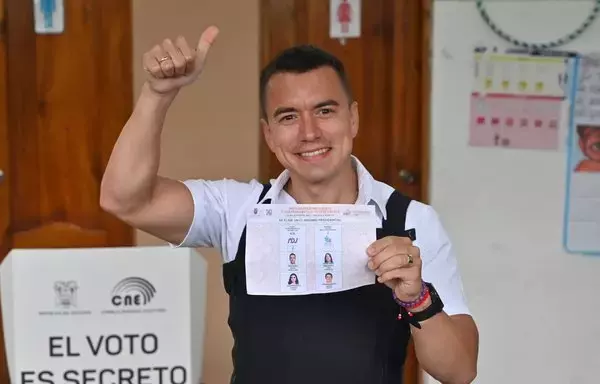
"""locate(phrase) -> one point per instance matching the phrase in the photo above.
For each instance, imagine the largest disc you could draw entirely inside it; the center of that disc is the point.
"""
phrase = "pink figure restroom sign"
(344, 19)
(344, 15)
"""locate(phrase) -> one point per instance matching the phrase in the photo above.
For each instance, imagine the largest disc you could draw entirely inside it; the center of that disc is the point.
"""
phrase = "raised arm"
(131, 188)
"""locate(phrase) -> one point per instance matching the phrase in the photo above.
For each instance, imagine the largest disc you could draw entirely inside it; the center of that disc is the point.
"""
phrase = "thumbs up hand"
(173, 65)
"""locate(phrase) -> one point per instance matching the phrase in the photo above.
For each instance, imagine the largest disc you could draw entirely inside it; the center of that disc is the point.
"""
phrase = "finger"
(409, 255)
(151, 65)
(398, 273)
(376, 261)
(395, 262)
(207, 39)
(176, 57)
(186, 51)
(413, 255)
(390, 250)
(379, 245)
(165, 60)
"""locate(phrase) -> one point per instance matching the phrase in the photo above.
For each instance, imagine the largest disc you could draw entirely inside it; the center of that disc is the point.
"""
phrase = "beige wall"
(212, 130)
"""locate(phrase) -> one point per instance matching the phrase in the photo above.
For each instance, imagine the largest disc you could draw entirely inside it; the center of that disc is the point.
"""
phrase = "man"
(309, 121)
(328, 278)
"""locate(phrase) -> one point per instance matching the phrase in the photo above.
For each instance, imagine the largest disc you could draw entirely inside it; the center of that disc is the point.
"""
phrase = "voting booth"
(104, 315)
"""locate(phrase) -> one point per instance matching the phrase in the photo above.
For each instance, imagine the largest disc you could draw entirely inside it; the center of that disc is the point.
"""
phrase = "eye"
(325, 111)
(287, 118)
(596, 146)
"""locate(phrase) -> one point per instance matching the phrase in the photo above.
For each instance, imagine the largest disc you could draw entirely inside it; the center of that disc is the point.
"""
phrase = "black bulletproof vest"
(350, 337)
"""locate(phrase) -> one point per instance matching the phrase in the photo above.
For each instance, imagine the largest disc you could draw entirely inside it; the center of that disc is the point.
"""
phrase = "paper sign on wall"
(344, 19)
(517, 100)
(582, 211)
(49, 16)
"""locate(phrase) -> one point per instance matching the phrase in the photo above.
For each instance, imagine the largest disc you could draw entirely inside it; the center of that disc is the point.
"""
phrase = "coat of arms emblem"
(66, 293)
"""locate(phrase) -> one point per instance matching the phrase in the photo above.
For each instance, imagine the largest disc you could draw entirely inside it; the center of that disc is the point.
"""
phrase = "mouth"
(316, 154)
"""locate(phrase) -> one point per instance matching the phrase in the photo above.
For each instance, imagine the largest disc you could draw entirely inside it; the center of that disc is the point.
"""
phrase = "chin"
(316, 174)
(315, 177)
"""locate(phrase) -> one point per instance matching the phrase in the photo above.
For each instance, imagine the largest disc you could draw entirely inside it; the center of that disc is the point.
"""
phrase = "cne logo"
(132, 292)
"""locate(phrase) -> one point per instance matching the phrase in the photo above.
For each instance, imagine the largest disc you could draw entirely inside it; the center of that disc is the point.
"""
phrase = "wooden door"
(388, 67)
(63, 101)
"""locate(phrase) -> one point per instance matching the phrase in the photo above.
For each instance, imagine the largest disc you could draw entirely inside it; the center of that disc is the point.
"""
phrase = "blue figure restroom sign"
(49, 16)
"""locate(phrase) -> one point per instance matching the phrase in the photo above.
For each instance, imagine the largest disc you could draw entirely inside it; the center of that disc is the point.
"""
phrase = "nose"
(309, 128)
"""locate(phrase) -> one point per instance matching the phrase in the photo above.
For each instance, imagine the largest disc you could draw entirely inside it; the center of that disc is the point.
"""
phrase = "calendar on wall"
(517, 100)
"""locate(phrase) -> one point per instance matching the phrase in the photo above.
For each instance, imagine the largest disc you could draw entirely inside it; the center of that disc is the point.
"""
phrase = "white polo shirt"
(220, 208)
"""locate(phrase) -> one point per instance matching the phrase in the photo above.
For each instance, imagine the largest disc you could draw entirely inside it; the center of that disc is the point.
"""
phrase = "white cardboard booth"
(104, 315)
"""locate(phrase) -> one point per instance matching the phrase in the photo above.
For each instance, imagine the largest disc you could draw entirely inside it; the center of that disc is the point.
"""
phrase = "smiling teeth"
(314, 153)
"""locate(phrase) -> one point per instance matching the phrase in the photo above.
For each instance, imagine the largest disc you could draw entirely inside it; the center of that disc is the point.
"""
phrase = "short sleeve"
(440, 266)
(209, 222)
(219, 218)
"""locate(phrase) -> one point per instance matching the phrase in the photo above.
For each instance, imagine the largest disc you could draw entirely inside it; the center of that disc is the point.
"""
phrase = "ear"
(266, 128)
(354, 118)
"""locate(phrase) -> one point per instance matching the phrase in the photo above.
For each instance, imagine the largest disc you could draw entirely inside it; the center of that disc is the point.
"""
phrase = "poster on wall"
(517, 100)
(582, 211)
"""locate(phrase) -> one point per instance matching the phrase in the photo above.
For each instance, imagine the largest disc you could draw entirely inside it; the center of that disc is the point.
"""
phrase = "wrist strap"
(415, 318)
(408, 317)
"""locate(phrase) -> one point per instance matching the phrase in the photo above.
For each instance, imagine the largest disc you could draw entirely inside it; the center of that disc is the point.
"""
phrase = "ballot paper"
(304, 249)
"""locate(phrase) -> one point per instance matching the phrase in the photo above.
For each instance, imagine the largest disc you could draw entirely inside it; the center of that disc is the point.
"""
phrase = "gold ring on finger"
(410, 258)
(165, 58)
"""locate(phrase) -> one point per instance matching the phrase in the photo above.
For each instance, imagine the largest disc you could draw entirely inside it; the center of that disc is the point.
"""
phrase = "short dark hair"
(301, 59)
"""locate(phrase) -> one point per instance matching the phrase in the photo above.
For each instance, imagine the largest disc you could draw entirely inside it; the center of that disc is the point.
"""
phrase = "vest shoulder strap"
(395, 222)
(266, 188)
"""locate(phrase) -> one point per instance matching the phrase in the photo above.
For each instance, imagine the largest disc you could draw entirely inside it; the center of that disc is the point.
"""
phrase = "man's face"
(310, 124)
(328, 278)
(590, 143)
(292, 259)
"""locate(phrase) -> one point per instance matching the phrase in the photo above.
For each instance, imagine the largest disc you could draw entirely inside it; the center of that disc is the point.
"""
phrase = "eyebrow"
(326, 103)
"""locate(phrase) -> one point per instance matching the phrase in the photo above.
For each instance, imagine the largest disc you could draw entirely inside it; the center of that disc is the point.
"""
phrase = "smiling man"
(309, 120)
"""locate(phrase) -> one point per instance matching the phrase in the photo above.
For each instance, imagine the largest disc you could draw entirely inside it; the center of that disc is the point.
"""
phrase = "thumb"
(207, 38)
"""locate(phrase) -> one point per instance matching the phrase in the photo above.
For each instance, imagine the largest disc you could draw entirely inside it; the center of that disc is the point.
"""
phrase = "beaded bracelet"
(415, 303)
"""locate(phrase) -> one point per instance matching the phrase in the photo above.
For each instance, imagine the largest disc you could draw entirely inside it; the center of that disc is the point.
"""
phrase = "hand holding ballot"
(326, 248)
(397, 263)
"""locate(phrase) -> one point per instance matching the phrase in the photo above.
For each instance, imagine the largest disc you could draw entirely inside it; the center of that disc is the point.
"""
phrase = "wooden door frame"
(4, 156)
(404, 38)
(5, 166)
(405, 34)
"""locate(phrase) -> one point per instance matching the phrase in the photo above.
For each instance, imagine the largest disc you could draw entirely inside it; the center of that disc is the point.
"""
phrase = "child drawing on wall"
(589, 143)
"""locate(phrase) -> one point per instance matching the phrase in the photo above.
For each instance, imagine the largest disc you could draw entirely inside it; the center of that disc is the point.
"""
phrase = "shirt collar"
(368, 190)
